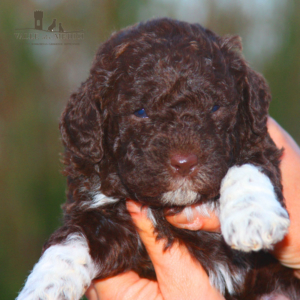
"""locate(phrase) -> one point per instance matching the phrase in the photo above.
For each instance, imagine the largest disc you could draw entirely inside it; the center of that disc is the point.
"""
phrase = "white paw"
(250, 215)
(63, 272)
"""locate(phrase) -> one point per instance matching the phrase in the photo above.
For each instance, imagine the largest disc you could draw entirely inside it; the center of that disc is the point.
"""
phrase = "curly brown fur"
(177, 72)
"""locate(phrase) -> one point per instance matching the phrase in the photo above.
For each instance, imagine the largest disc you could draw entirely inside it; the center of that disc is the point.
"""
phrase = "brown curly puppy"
(171, 115)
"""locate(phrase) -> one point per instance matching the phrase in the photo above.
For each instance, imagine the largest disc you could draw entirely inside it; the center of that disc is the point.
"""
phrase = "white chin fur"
(63, 272)
(182, 196)
(250, 215)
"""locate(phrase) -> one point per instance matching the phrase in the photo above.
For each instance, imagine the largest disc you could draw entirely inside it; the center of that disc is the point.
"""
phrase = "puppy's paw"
(254, 228)
(250, 215)
(64, 272)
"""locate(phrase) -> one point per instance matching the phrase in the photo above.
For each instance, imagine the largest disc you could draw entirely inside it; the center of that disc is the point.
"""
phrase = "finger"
(127, 286)
(91, 293)
(194, 218)
(144, 225)
(179, 275)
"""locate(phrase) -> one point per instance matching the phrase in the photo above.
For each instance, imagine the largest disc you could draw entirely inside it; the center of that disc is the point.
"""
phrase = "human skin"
(179, 276)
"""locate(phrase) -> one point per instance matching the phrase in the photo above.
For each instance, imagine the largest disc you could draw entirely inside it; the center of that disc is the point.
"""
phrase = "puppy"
(171, 115)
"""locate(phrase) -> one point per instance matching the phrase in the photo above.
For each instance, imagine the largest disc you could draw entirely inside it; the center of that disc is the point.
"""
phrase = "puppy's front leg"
(63, 272)
(93, 243)
(251, 216)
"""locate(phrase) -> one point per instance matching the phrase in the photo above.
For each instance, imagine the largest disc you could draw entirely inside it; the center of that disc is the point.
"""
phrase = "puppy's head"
(167, 109)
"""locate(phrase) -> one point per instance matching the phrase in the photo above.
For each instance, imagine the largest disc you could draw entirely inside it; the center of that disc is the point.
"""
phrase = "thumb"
(195, 217)
(179, 275)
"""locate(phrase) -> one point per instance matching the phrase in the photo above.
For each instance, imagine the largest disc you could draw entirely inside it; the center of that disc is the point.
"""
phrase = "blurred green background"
(36, 80)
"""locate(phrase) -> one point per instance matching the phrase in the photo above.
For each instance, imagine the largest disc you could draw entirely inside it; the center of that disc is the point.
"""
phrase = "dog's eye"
(141, 113)
(215, 108)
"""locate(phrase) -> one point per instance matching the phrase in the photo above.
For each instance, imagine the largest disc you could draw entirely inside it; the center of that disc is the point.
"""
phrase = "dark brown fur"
(177, 72)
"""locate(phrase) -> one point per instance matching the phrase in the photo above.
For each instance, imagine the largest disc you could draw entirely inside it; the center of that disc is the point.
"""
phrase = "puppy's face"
(165, 112)
(171, 141)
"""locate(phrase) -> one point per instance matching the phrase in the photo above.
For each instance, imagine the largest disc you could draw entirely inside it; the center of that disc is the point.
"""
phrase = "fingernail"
(133, 206)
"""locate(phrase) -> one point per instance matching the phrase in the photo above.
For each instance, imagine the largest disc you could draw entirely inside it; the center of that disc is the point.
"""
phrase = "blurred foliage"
(35, 82)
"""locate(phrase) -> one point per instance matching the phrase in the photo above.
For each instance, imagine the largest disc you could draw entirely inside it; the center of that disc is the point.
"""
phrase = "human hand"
(288, 250)
(179, 275)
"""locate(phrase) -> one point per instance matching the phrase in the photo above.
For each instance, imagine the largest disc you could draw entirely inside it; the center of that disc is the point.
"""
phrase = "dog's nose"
(184, 163)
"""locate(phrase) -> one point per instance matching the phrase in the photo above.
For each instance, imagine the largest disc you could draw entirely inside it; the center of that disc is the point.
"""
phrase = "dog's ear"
(255, 102)
(231, 43)
(252, 89)
(80, 125)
